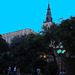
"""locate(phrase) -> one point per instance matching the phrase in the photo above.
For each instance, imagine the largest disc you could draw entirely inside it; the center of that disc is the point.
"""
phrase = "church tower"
(48, 21)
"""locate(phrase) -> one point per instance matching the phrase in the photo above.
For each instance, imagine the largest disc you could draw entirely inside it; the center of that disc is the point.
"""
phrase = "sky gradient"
(21, 14)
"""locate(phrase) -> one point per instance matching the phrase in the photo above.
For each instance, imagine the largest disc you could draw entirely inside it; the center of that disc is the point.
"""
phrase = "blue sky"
(21, 14)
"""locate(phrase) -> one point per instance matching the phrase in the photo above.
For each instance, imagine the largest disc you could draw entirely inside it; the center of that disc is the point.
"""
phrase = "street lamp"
(61, 51)
(44, 56)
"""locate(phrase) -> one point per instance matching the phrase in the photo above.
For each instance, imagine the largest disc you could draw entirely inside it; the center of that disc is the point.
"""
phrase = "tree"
(26, 49)
(4, 46)
(49, 35)
(66, 34)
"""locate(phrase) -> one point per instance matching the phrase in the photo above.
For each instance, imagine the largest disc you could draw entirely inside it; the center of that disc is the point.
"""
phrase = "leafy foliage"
(4, 46)
(49, 34)
(66, 34)
(26, 49)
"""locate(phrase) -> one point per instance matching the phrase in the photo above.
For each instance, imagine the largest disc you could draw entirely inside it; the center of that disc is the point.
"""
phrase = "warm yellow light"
(44, 56)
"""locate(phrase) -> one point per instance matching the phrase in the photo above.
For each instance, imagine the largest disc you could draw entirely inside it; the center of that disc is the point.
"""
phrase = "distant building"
(9, 36)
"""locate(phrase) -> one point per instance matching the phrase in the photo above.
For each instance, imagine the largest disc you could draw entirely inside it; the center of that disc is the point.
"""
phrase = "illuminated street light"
(61, 51)
(61, 46)
(41, 56)
(44, 56)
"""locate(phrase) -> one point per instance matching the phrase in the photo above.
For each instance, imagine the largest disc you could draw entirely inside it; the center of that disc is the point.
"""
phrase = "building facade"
(9, 36)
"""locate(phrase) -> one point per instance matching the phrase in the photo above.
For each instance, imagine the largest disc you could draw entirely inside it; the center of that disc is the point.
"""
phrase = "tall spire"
(48, 5)
(48, 16)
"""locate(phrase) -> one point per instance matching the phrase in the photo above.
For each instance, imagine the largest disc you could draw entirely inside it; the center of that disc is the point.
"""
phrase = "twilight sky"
(21, 14)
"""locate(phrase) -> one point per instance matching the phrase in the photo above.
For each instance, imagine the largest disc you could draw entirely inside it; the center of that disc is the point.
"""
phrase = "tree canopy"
(4, 46)
(66, 34)
(26, 49)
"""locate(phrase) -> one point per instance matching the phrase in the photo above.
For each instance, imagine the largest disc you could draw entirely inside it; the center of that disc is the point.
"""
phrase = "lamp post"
(43, 56)
(61, 51)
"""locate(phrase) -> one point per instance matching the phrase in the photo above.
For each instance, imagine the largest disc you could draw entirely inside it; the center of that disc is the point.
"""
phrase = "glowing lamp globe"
(61, 46)
(63, 51)
(59, 51)
(44, 56)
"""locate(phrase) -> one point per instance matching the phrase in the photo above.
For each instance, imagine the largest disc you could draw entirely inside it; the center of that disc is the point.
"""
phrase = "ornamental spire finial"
(48, 5)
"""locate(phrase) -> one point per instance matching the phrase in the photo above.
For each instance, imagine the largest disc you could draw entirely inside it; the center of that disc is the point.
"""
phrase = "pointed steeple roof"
(48, 16)
(48, 6)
